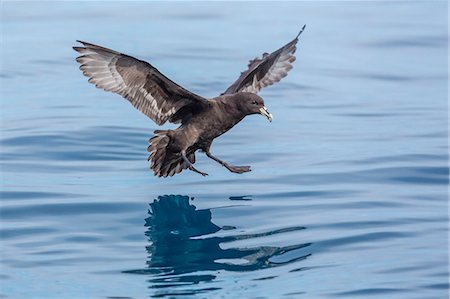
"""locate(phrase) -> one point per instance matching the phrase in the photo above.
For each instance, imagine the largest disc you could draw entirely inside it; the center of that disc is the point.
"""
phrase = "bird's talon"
(202, 173)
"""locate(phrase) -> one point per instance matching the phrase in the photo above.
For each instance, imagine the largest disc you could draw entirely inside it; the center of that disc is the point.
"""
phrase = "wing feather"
(139, 82)
(265, 71)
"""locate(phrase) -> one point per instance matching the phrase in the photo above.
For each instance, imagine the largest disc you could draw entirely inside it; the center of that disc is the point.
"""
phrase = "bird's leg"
(191, 167)
(232, 168)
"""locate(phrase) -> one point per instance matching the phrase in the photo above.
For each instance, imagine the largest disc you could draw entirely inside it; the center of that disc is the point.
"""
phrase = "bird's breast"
(205, 127)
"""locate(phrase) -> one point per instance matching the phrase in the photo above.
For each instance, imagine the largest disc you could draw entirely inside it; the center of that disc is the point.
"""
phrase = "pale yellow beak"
(266, 113)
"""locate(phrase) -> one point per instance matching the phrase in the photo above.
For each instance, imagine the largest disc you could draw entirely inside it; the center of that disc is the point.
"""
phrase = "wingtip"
(78, 48)
(301, 30)
(94, 47)
(85, 44)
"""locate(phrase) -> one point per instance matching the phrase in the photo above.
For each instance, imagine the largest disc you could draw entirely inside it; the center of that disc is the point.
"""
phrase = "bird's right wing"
(140, 83)
(265, 71)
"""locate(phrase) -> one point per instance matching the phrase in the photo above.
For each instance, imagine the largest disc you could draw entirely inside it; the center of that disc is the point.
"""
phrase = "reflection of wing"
(182, 244)
(267, 70)
(139, 82)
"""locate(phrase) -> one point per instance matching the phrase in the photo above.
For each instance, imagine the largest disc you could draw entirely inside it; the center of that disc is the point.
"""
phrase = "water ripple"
(67, 209)
(348, 194)
(177, 249)
(19, 195)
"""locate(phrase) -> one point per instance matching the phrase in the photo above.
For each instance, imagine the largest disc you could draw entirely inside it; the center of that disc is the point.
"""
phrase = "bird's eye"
(255, 103)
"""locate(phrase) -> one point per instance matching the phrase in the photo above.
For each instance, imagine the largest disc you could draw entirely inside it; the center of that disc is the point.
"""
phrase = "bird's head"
(251, 103)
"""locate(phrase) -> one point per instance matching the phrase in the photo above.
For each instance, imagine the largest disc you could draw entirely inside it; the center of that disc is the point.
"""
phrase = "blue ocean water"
(348, 197)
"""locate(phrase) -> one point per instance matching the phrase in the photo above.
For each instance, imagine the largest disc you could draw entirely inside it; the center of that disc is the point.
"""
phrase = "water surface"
(348, 193)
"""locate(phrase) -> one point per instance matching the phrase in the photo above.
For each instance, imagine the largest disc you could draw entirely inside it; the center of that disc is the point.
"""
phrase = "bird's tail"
(164, 162)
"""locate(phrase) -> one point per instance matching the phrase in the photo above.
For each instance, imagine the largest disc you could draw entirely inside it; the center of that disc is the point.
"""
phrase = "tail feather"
(164, 162)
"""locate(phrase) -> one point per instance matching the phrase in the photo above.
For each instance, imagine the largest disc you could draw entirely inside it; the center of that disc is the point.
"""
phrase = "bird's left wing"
(265, 71)
(140, 83)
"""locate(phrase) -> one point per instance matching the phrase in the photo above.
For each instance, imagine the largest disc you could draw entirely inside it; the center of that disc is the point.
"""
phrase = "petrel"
(202, 120)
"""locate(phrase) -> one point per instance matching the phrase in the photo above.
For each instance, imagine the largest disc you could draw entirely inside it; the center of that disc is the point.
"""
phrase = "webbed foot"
(238, 169)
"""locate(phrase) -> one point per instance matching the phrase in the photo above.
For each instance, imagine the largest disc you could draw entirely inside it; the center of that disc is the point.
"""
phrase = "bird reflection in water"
(178, 255)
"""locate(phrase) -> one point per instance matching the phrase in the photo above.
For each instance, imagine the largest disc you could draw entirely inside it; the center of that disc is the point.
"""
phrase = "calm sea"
(348, 197)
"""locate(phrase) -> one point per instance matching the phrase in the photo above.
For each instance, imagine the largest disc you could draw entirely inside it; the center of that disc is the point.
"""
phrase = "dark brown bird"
(162, 100)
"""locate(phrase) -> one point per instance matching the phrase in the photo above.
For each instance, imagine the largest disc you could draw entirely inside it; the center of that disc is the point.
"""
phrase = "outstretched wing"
(140, 83)
(267, 70)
